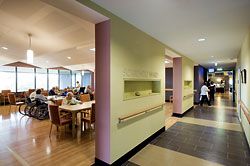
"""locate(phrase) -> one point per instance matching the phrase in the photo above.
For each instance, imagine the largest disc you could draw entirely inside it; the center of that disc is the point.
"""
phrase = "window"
(78, 77)
(86, 78)
(53, 78)
(41, 79)
(65, 79)
(25, 79)
(73, 79)
(8, 78)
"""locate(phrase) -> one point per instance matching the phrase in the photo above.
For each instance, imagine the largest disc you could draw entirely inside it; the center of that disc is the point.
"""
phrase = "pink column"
(102, 91)
(177, 85)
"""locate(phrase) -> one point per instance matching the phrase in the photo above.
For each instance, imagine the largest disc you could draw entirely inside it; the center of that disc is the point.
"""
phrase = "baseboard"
(244, 134)
(181, 115)
(132, 152)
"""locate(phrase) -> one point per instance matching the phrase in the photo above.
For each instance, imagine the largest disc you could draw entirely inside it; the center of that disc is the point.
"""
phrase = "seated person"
(40, 97)
(90, 92)
(70, 100)
(82, 90)
(32, 96)
(65, 92)
(52, 92)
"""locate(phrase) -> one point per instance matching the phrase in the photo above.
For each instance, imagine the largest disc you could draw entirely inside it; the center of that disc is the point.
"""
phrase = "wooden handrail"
(125, 117)
(169, 90)
(189, 95)
(245, 110)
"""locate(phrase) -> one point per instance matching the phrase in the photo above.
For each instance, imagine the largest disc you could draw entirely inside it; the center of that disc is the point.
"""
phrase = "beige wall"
(244, 63)
(134, 55)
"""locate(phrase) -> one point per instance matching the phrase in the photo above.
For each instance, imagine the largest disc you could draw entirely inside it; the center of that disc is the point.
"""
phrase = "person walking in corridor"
(204, 94)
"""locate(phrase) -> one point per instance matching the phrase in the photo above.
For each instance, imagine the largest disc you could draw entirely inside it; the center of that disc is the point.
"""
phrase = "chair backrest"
(85, 97)
(92, 116)
(45, 93)
(54, 114)
(59, 102)
(5, 92)
(30, 91)
(12, 98)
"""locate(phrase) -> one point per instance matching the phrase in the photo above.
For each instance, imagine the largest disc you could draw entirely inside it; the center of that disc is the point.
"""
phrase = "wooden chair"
(90, 118)
(84, 97)
(12, 101)
(5, 95)
(57, 119)
(45, 93)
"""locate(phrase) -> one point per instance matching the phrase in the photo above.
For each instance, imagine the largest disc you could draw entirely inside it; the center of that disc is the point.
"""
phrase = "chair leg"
(50, 129)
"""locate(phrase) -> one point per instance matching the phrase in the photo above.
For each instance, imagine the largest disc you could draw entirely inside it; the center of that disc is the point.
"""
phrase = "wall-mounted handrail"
(135, 114)
(245, 110)
(188, 96)
(168, 89)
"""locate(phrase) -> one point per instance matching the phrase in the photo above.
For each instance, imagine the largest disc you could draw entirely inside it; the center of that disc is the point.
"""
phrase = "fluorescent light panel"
(92, 49)
(5, 48)
(201, 39)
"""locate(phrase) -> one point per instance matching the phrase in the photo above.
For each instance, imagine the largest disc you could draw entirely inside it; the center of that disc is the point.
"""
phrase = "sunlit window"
(25, 79)
(65, 79)
(86, 78)
(53, 78)
(41, 79)
(79, 77)
(8, 78)
(73, 79)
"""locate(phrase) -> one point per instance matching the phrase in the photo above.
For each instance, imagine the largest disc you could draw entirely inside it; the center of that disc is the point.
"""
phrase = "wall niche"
(136, 88)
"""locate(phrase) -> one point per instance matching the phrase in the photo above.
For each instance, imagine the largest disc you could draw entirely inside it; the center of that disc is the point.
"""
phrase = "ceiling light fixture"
(69, 57)
(92, 49)
(5, 48)
(219, 69)
(30, 53)
(201, 39)
(166, 61)
(215, 64)
(212, 56)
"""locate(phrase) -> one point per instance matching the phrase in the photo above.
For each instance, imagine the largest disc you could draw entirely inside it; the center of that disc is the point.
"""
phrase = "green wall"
(188, 76)
(244, 63)
(134, 55)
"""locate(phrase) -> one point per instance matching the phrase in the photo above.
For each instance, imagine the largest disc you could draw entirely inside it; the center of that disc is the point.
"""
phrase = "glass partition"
(25, 79)
(41, 79)
(65, 79)
(8, 78)
(53, 78)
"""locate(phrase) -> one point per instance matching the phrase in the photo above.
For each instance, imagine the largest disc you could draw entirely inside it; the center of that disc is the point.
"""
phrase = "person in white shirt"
(204, 94)
(70, 100)
(78, 85)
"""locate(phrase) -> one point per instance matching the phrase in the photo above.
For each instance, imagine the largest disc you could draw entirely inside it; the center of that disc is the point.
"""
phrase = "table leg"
(73, 124)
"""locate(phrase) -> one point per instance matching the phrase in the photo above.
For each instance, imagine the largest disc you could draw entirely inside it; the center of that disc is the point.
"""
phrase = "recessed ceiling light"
(219, 69)
(47, 61)
(201, 39)
(215, 64)
(167, 61)
(212, 56)
(69, 57)
(92, 49)
(5, 48)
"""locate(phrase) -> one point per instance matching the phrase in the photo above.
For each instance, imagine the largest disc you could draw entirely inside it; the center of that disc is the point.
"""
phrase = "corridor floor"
(204, 136)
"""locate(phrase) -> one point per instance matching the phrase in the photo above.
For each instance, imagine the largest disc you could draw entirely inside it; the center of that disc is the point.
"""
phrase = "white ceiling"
(56, 34)
(180, 23)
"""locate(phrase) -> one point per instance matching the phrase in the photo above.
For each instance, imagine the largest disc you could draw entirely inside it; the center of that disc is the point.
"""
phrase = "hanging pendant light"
(30, 53)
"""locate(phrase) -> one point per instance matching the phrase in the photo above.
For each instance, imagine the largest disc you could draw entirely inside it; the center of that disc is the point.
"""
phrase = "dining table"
(74, 109)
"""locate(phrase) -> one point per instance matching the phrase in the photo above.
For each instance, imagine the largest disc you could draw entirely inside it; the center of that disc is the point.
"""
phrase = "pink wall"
(177, 85)
(102, 91)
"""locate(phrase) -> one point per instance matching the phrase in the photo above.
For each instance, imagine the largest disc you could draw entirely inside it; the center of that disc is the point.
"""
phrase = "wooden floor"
(25, 141)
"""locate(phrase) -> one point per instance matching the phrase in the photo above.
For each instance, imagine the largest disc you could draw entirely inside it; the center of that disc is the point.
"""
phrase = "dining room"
(47, 87)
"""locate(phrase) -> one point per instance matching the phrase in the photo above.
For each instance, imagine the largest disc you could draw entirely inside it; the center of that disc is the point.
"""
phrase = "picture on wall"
(243, 76)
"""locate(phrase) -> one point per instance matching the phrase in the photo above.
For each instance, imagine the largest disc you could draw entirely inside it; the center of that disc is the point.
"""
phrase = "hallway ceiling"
(180, 23)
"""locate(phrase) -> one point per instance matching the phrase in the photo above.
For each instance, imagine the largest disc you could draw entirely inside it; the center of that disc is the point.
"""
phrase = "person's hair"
(70, 94)
(38, 91)
(205, 83)
(77, 81)
(212, 82)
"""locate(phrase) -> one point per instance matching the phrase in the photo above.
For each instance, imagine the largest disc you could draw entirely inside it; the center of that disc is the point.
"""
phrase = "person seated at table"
(52, 92)
(40, 97)
(90, 92)
(70, 100)
(65, 92)
(57, 90)
(82, 90)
